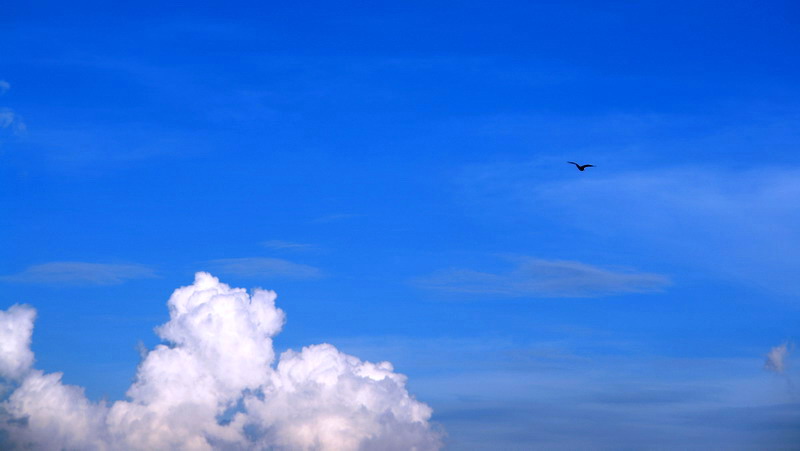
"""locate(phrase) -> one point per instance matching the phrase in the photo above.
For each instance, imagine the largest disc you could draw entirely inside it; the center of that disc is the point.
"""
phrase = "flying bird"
(581, 167)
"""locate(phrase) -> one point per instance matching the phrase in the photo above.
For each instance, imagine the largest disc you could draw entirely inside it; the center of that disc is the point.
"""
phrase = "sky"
(396, 173)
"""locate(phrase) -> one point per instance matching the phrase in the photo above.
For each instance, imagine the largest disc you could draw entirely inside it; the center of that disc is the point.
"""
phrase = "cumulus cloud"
(213, 385)
(16, 325)
(776, 358)
(81, 273)
(544, 278)
(264, 267)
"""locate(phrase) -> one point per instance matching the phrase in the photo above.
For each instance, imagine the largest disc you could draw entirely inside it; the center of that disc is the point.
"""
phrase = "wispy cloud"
(287, 245)
(81, 273)
(544, 278)
(8, 118)
(12, 121)
(265, 267)
(776, 358)
(568, 393)
(689, 215)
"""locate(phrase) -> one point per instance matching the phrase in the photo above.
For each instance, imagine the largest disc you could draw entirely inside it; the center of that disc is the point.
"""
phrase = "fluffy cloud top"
(16, 326)
(214, 386)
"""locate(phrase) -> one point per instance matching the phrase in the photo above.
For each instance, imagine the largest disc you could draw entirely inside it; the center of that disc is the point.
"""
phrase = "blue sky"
(396, 173)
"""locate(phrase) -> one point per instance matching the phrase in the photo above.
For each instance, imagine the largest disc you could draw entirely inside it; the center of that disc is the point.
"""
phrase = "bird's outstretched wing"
(588, 165)
(572, 162)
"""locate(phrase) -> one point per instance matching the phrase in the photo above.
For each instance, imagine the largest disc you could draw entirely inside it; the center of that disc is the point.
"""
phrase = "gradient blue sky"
(396, 172)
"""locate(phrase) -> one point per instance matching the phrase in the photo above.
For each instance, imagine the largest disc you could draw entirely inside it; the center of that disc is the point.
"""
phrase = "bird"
(581, 167)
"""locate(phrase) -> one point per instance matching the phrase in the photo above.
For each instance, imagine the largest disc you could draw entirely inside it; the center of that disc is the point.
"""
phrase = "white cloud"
(264, 267)
(341, 402)
(16, 326)
(4, 87)
(214, 387)
(545, 278)
(51, 415)
(569, 391)
(11, 120)
(81, 273)
(776, 358)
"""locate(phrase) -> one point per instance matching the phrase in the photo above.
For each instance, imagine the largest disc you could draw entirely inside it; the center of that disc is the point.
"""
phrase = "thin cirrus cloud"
(688, 215)
(4, 86)
(534, 277)
(264, 267)
(282, 245)
(82, 273)
(494, 393)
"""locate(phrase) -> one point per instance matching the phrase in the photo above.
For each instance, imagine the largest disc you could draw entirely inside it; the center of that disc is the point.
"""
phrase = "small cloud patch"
(776, 358)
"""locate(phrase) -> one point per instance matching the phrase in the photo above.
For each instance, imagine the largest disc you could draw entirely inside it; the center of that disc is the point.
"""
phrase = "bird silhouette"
(581, 167)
